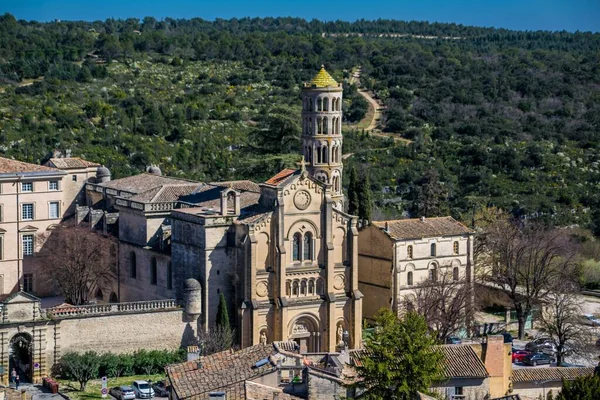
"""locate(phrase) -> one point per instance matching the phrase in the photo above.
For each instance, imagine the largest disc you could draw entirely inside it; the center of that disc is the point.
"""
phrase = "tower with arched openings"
(322, 132)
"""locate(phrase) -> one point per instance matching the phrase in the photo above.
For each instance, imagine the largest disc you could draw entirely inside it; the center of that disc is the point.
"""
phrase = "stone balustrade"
(112, 308)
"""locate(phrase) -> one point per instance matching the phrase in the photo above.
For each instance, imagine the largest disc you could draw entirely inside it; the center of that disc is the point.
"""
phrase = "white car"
(591, 320)
(142, 390)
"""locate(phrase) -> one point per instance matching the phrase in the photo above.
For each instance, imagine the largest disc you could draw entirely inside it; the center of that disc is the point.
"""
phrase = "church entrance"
(305, 332)
(21, 356)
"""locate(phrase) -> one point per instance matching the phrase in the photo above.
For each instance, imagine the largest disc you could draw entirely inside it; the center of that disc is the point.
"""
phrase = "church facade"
(283, 253)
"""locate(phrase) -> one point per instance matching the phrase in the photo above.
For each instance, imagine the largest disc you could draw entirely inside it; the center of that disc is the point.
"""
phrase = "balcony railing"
(69, 311)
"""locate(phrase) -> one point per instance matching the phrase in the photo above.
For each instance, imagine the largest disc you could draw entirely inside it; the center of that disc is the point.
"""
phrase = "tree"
(78, 261)
(222, 313)
(400, 359)
(278, 132)
(444, 303)
(353, 202)
(525, 261)
(583, 388)
(560, 319)
(216, 339)
(365, 198)
(80, 367)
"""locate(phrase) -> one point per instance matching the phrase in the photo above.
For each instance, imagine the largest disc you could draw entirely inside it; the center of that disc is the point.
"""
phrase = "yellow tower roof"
(323, 79)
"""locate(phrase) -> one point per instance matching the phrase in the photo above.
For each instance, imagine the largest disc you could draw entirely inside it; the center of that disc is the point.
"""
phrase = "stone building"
(34, 199)
(396, 256)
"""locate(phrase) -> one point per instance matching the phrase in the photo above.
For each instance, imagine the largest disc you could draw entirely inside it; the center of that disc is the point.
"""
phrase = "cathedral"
(282, 252)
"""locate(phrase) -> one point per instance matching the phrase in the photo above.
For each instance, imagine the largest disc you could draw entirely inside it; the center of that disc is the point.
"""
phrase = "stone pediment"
(28, 228)
(20, 307)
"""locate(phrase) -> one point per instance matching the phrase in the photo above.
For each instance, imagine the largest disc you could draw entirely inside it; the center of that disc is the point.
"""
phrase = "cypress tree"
(222, 313)
(365, 199)
(353, 204)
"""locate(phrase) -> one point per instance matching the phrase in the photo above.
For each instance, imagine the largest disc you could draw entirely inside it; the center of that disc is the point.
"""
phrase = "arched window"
(132, 265)
(303, 287)
(296, 247)
(310, 105)
(308, 253)
(310, 126)
(433, 252)
(295, 288)
(288, 288)
(325, 104)
(455, 273)
(319, 125)
(113, 298)
(99, 294)
(319, 104)
(433, 274)
(325, 126)
(455, 247)
(153, 271)
(409, 278)
(409, 252)
(311, 287)
(324, 157)
(169, 276)
(231, 203)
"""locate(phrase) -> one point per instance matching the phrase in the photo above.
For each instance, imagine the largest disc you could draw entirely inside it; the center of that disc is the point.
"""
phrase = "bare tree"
(78, 261)
(560, 319)
(524, 260)
(446, 303)
(216, 339)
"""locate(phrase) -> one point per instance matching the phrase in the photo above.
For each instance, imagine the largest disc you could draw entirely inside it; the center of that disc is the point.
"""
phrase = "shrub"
(81, 367)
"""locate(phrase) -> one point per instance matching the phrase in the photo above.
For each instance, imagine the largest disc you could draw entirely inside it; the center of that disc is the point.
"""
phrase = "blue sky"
(569, 15)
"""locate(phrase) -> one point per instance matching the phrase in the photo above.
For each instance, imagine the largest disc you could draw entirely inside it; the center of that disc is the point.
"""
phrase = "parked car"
(160, 389)
(589, 319)
(453, 340)
(537, 359)
(142, 390)
(539, 344)
(517, 355)
(122, 393)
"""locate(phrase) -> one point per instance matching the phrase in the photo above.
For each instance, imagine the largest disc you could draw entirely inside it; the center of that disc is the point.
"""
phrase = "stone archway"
(305, 331)
(21, 355)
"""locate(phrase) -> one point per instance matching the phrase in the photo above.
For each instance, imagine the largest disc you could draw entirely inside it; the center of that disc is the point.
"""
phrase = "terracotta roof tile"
(459, 361)
(243, 185)
(143, 182)
(166, 193)
(70, 162)
(9, 166)
(225, 371)
(422, 227)
(549, 374)
(281, 177)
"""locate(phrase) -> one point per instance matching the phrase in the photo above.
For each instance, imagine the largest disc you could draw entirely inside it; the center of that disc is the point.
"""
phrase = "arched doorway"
(21, 355)
(305, 331)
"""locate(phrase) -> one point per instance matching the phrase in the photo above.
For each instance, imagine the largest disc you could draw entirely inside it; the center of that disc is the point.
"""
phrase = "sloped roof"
(70, 163)
(225, 371)
(166, 193)
(550, 374)
(257, 391)
(461, 361)
(143, 182)
(244, 185)
(9, 166)
(323, 79)
(281, 177)
(422, 227)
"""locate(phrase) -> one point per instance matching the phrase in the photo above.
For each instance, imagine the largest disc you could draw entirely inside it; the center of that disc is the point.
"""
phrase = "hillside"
(495, 117)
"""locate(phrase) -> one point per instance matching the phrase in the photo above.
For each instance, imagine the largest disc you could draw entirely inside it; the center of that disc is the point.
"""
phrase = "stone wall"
(323, 386)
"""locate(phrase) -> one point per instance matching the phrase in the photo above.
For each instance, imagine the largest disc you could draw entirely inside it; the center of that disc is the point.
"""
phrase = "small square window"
(53, 185)
(74, 178)
(26, 187)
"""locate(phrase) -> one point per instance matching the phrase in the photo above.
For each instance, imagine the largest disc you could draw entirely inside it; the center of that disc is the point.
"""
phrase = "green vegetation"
(399, 359)
(494, 118)
(93, 387)
(586, 388)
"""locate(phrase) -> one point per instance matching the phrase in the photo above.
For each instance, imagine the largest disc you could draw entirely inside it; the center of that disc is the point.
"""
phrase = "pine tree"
(222, 313)
(353, 204)
(365, 199)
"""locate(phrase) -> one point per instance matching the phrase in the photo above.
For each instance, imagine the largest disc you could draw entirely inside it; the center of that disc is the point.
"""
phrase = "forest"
(487, 117)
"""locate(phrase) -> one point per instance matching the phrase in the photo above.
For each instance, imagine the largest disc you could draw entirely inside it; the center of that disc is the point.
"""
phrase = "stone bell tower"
(322, 131)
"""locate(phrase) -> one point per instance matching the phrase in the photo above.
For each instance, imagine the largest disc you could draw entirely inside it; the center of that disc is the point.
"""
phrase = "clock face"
(302, 200)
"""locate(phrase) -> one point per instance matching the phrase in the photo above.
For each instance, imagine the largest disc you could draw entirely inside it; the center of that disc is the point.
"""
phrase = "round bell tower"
(322, 132)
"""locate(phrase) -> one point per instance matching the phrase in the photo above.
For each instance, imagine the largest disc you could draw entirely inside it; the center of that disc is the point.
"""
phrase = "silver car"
(122, 393)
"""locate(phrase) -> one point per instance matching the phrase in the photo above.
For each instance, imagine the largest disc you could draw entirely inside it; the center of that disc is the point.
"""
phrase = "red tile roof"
(70, 163)
(280, 177)
(225, 371)
(422, 227)
(550, 374)
(9, 166)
